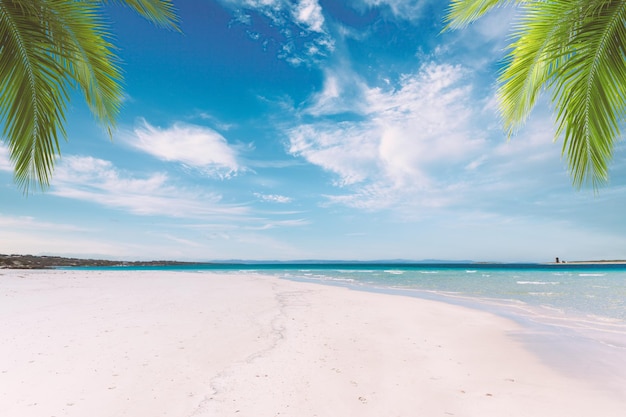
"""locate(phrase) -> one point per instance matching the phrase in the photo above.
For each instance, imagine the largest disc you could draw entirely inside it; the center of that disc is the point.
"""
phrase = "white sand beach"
(183, 344)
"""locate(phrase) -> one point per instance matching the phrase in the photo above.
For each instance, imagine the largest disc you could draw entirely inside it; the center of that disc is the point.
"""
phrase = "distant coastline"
(16, 261)
(48, 262)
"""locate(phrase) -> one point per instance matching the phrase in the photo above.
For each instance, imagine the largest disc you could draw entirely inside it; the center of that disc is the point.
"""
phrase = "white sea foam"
(339, 279)
(593, 293)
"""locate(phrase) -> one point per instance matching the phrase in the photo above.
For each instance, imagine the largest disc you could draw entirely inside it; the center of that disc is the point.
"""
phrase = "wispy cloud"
(30, 235)
(347, 149)
(301, 23)
(403, 9)
(306, 13)
(193, 146)
(214, 121)
(309, 14)
(482, 43)
(279, 223)
(99, 181)
(31, 223)
(343, 92)
(273, 198)
(401, 141)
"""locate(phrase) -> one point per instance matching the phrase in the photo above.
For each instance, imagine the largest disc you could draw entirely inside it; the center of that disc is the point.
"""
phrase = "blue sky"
(312, 129)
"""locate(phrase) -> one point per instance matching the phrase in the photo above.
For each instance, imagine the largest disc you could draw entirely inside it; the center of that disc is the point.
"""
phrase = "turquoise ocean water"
(591, 291)
(573, 316)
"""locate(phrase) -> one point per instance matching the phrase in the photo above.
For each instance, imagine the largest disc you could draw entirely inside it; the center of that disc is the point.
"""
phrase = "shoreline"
(199, 344)
(587, 346)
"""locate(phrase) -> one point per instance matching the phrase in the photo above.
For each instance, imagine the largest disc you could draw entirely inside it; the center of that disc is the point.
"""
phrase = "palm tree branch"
(539, 50)
(46, 47)
(89, 58)
(589, 96)
(160, 12)
(463, 12)
(33, 92)
(526, 69)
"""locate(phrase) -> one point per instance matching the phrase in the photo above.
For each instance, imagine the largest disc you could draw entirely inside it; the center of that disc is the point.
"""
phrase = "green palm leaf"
(463, 12)
(588, 93)
(159, 12)
(576, 50)
(48, 47)
(34, 91)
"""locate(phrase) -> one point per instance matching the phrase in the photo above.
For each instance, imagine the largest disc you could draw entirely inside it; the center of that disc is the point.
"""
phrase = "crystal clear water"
(593, 292)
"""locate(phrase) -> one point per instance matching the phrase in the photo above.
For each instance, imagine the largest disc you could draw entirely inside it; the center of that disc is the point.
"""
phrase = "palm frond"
(83, 48)
(48, 47)
(160, 12)
(539, 49)
(589, 93)
(33, 92)
(463, 12)
(576, 49)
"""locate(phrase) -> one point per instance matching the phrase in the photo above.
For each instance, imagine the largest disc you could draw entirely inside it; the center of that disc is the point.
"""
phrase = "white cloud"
(309, 14)
(425, 142)
(306, 13)
(98, 181)
(405, 9)
(410, 202)
(214, 121)
(273, 198)
(22, 223)
(301, 23)
(342, 91)
(483, 43)
(193, 146)
(401, 141)
(346, 149)
(280, 223)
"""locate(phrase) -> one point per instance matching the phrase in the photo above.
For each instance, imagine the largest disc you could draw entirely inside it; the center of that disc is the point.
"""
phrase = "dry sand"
(182, 344)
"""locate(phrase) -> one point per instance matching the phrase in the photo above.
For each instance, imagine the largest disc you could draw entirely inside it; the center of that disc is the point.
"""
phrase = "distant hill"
(46, 262)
